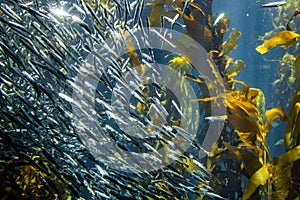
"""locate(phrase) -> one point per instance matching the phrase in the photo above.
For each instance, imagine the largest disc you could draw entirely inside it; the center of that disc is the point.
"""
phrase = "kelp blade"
(285, 38)
(260, 177)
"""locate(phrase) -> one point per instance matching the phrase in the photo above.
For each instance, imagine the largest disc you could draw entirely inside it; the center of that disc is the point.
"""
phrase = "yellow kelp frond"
(231, 43)
(282, 175)
(289, 157)
(244, 124)
(180, 60)
(221, 25)
(159, 184)
(275, 172)
(191, 164)
(284, 38)
(196, 23)
(180, 64)
(253, 93)
(249, 139)
(208, 99)
(155, 14)
(248, 107)
(229, 60)
(281, 180)
(134, 57)
(260, 177)
(274, 113)
(31, 179)
(258, 98)
(250, 160)
(236, 82)
(238, 66)
(285, 81)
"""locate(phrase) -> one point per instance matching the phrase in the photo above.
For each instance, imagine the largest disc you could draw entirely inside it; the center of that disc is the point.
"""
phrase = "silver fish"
(216, 118)
(274, 4)
(218, 19)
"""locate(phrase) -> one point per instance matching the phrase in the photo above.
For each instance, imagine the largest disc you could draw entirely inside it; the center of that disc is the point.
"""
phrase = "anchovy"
(7, 50)
(216, 118)
(218, 19)
(138, 11)
(8, 11)
(127, 10)
(35, 13)
(185, 7)
(29, 44)
(16, 26)
(172, 21)
(274, 4)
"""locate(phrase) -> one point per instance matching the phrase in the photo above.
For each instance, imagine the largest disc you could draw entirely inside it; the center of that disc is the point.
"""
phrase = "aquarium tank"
(149, 99)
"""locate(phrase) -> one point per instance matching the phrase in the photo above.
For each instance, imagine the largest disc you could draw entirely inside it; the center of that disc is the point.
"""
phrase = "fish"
(16, 26)
(138, 11)
(172, 21)
(8, 51)
(222, 118)
(279, 142)
(8, 11)
(220, 16)
(35, 13)
(274, 4)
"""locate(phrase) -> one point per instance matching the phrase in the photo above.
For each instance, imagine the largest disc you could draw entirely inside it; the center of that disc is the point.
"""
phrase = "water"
(110, 100)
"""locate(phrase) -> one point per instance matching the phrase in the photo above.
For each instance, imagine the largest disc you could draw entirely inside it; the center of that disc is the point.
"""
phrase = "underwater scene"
(149, 99)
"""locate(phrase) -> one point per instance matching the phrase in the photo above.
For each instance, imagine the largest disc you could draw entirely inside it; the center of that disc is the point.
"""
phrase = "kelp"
(231, 43)
(291, 133)
(258, 98)
(284, 38)
(275, 170)
(260, 177)
(297, 12)
(237, 67)
(285, 169)
(284, 83)
(274, 113)
(198, 20)
(251, 127)
(243, 114)
(251, 124)
(294, 112)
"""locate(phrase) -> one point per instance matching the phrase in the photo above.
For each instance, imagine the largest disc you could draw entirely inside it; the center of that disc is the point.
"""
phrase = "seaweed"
(42, 153)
